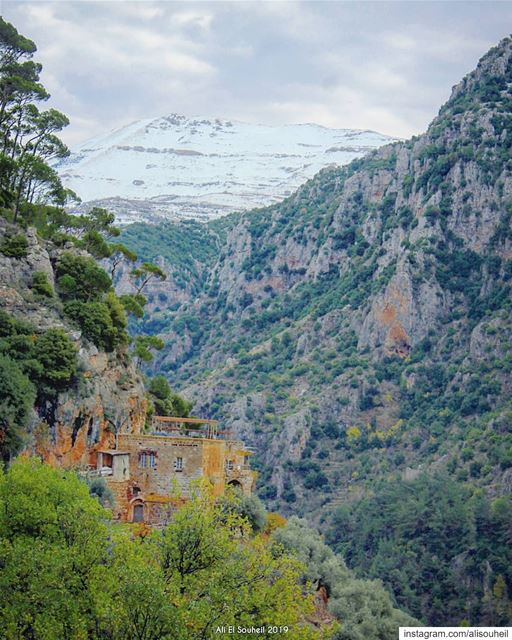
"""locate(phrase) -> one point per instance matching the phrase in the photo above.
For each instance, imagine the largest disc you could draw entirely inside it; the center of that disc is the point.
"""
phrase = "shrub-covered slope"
(359, 332)
(66, 383)
(68, 387)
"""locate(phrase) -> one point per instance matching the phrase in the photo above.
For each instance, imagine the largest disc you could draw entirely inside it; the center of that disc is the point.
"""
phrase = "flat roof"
(168, 438)
(176, 420)
(113, 452)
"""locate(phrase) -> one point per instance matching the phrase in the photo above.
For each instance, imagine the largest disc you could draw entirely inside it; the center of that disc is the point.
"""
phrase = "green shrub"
(17, 397)
(103, 323)
(48, 359)
(405, 217)
(41, 285)
(249, 507)
(133, 304)
(315, 480)
(288, 494)
(99, 489)
(80, 278)
(14, 246)
(56, 355)
(268, 492)
(90, 302)
(167, 403)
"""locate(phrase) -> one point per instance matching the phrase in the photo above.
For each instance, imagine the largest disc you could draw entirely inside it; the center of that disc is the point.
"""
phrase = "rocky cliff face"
(107, 393)
(362, 326)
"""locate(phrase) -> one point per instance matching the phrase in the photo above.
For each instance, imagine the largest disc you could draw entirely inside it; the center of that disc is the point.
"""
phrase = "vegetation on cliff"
(358, 335)
(33, 366)
(57, 304)
(430, 537)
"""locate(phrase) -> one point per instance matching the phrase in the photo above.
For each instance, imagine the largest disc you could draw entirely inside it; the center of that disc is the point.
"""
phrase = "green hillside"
(358, 336)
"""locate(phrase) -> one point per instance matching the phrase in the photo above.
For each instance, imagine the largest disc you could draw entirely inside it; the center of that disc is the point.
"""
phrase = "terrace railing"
(189, 428)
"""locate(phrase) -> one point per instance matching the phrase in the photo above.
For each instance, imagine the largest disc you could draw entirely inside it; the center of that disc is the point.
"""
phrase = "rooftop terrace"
(189, 428)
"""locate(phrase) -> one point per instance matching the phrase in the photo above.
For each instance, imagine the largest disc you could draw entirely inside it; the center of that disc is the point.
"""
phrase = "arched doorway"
(235, 484)
(138, 512)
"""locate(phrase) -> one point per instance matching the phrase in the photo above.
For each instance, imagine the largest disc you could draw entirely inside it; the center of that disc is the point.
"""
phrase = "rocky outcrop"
(107, 395)
(110, 400)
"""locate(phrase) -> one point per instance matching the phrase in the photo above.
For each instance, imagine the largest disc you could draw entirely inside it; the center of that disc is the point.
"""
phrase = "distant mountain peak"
(203, 167)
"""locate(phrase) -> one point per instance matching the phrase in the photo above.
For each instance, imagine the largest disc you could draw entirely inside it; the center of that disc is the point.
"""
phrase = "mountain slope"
(172, 167)
(79, 392)
(360, 332)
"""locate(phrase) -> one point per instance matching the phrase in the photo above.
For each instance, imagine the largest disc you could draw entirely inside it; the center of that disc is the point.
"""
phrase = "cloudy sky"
(386, 66)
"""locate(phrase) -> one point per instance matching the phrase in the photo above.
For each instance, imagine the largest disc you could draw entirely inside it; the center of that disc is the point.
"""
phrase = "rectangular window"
(229, 465)
(178, 464)
(147, 459)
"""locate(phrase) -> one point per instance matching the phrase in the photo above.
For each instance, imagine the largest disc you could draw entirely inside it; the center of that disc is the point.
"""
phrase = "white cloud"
(202, 21)
(183, 63)
(371, 65)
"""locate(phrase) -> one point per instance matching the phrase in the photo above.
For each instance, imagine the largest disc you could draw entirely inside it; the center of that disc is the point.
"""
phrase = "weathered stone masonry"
(150, 475)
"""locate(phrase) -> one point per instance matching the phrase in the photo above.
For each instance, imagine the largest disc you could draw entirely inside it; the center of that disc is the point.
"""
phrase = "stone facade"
(151, 475)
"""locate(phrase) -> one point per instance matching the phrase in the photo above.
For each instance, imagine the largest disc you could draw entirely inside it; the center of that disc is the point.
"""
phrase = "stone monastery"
(145, 470)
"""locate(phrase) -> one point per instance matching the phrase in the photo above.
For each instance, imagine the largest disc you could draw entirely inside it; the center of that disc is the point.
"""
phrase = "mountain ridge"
(174, 166)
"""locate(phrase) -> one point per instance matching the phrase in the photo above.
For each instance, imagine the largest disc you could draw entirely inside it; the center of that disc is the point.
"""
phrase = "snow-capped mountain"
(176, 166)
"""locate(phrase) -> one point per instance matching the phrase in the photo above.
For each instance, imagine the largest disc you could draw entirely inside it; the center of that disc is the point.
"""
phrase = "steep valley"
(358, 336)
(353, 340)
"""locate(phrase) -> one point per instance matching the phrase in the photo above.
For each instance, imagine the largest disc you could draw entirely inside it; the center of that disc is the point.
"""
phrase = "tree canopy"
(65, 572)
(28, 136)
(414, 534)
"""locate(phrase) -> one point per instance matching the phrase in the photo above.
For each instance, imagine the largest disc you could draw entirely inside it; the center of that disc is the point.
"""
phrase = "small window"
(147, 459)
(229, 465)
(178, 464)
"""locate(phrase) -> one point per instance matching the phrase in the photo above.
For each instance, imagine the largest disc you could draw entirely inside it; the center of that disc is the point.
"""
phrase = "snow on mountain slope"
(176, 166)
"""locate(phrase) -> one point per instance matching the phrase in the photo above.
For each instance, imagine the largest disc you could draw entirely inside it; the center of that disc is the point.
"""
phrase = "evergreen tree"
(28, 136)
(17, 397)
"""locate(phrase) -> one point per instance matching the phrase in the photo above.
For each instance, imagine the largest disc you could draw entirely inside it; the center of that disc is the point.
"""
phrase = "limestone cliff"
(362, 326)
(106, 395)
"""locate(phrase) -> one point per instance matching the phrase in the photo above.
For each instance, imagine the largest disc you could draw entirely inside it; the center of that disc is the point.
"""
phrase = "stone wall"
(165, 466)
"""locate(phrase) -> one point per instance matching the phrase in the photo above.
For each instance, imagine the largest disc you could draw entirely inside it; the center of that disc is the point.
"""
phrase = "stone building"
(150, 474)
